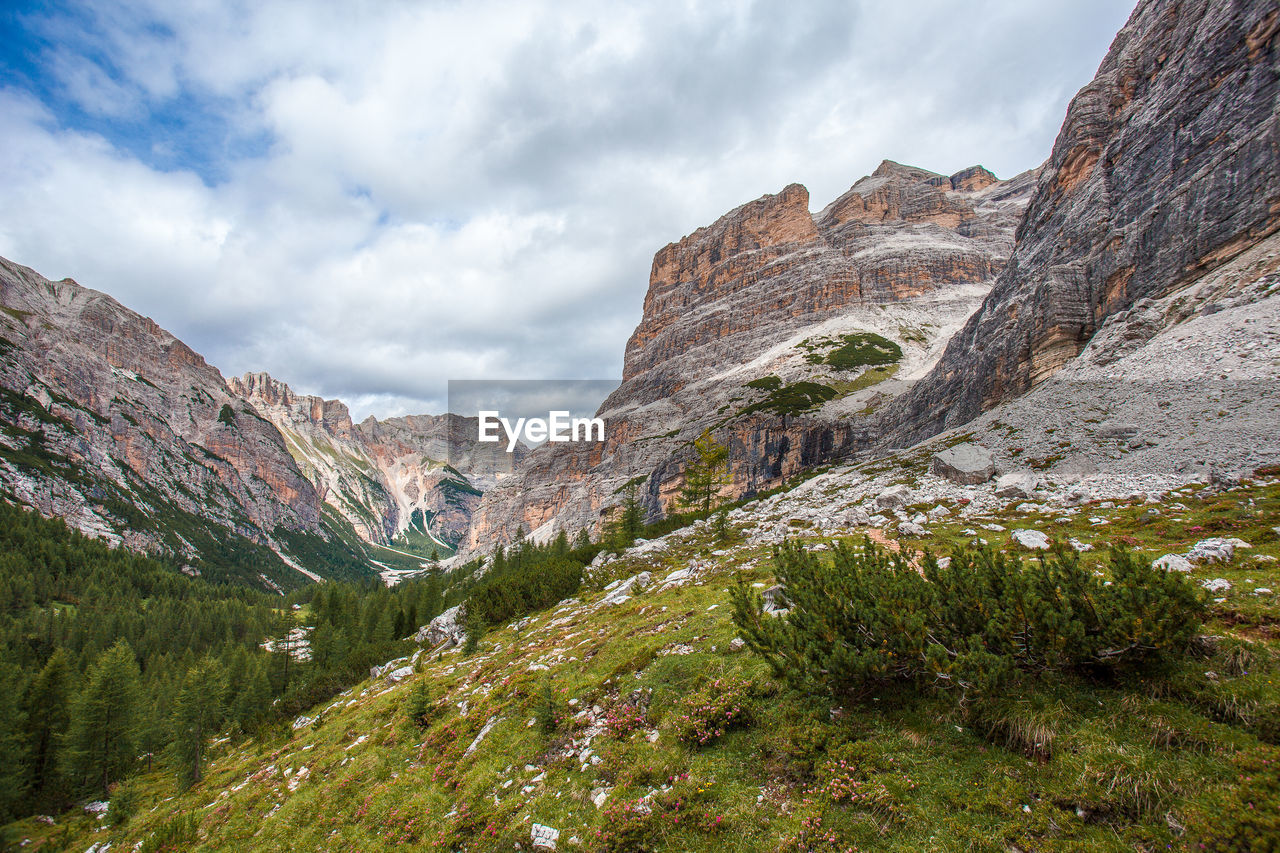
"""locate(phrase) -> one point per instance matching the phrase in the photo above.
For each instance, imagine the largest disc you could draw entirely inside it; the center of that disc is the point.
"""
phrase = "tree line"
(112, 662)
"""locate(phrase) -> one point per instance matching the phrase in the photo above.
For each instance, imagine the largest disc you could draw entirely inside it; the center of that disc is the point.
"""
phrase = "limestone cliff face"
(1167, 167)
(905, 253)
(112, 423)
(420, 474)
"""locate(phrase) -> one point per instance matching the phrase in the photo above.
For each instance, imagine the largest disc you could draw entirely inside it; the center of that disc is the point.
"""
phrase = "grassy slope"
(1073, 767)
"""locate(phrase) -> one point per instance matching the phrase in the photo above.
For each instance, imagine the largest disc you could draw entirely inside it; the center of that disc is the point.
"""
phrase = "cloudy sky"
(367, 199)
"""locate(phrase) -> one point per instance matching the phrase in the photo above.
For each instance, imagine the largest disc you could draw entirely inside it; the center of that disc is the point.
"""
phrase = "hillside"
(598, 717)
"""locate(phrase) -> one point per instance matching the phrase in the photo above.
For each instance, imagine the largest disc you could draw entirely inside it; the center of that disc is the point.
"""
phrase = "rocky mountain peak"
(268, 393)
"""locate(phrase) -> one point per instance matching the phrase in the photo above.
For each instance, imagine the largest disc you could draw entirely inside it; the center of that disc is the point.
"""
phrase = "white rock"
(1173, 563)
(966, 464)
(623, 590)
(1017, 484)
(1216, 585)
(398, 675)
(445, 628)
(1079, 546)
(544, 837)
(894, 496)
(1033, 539)
(939, 511)
(1215, 550)
(909, 528)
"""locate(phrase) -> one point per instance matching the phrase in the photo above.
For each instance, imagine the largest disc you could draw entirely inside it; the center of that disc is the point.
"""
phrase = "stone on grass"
(1033, 539)
(1173, 563)
(1216, 585)
(910, 528)
(966, 464)
(544, 837)
(1214, 550)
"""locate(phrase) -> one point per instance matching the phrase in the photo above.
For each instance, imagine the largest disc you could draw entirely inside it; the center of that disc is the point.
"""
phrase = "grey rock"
(1017, 484)
(1214, 550)
(446, 628)
(775, 600)
(910, 528)
(1173, 563)
(1032, 539)
(893, 497)
(966, 464)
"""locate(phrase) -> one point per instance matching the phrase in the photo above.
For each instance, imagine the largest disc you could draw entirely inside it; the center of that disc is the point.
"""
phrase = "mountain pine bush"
(872, 621)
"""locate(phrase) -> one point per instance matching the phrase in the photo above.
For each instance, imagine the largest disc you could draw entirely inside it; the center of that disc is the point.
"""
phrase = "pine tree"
(13, 765)
(705, 474)
(198, 711)
(253, 697)
(102, 741)
(48, 712)
(627, 521)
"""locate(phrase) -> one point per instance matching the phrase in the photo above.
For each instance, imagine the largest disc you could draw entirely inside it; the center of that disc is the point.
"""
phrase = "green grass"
(794, 399)
(1062, 764)
(852, 350)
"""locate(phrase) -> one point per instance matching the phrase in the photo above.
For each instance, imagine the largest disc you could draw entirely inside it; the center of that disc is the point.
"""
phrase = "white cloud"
(466, 190)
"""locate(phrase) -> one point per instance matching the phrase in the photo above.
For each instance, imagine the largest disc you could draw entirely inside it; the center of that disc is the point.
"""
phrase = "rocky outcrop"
(421, 474)
(117, 426)
(769, 290)
(1166, 168)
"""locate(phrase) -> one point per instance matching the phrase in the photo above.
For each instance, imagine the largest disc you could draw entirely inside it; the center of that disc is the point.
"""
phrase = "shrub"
(715, 709)
(871, 620)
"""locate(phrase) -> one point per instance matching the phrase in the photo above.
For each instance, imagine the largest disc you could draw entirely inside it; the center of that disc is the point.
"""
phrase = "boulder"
(910, 528)
(894, 496)
(775, 600)
(1173, 563)
(966, 464)
(620, 591)
(1033, 539)
(445, 628)
(398, 675)
(544, 837)
(1215, 550)
(857, 517)
(1017, 484)
(1216, 585)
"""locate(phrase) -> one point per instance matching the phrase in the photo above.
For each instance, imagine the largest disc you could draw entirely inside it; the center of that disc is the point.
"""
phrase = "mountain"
(410, 481)
(111, 422)
(1165, 172)
(117, 426)
(1163, 177)
(781, 331)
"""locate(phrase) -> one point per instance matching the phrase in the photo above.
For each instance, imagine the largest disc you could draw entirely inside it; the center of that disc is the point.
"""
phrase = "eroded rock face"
(905, 253)
(1165, 169)
(115, 425)
(420, 471)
